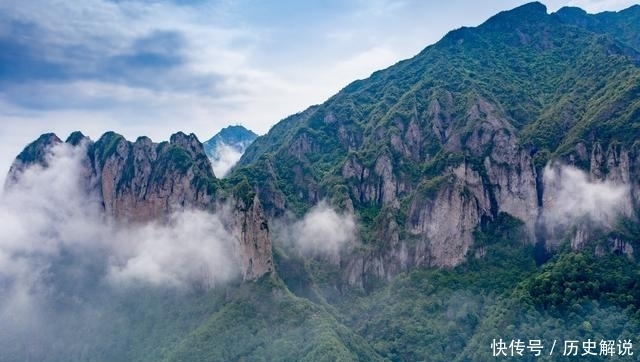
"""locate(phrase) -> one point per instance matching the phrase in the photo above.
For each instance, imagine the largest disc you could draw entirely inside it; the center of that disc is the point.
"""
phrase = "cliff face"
(443, 214)
(254, 248)
(614, 172)
(429, 150)
(141, 181)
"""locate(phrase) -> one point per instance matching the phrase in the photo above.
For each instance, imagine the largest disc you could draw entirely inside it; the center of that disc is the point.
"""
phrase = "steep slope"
(142, 181)
(428, 149)
(264, 321)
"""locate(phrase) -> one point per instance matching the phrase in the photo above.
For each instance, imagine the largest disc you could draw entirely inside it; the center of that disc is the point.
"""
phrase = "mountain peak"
(534, 7)
(233, 134)
(36, 150)
(183, 138)
(527, 13)
(227, 146)
(75, 138)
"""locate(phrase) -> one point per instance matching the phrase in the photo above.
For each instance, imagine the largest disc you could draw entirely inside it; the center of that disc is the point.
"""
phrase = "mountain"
(461, 133)
(142, 181)
(225, 148)
(485, 191)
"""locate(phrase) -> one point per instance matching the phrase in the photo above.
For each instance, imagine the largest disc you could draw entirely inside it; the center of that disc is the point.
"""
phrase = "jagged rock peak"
(36, 150)
(34, 153)
(143, 139)
(187, 141)
(76, 138)
(144, 181)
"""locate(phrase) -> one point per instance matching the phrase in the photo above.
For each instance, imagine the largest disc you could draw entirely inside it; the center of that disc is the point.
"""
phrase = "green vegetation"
(553, 81)
(265, 322)
(550, 82)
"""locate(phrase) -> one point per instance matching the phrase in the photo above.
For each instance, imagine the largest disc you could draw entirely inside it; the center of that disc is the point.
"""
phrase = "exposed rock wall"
(143, 181)
(254, 248)
(440, 218)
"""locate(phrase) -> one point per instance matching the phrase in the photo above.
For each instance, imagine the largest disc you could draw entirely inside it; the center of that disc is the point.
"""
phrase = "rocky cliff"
(142, 181)
(429, 150)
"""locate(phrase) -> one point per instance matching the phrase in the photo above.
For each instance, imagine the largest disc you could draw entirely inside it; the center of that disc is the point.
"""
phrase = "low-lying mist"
(322, 231)
(227, 157)
(570, 196)
(57, 247)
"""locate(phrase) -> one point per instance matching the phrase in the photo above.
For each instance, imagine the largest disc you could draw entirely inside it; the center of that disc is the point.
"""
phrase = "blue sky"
(152, 67)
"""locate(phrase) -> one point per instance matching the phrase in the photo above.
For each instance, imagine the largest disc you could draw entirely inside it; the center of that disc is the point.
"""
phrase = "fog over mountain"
(485, 190)
(226, 147)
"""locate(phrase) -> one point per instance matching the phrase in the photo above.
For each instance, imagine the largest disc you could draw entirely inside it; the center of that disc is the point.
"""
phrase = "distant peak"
(236, 131)
(76, 138)
(236, 127)
(225, 148)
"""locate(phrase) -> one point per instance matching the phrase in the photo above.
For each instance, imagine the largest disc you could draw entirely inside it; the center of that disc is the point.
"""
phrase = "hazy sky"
(151, 67)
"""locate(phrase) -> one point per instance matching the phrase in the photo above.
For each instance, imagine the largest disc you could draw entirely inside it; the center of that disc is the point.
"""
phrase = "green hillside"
(552, 79)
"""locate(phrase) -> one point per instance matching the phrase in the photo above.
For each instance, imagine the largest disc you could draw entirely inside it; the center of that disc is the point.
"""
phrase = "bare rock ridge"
(142, 181)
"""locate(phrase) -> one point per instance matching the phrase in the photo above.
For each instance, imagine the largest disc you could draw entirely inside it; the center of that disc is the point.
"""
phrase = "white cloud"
(46, 214)
(192, 246)
(322, 231)
(228, 156)
(571, 197)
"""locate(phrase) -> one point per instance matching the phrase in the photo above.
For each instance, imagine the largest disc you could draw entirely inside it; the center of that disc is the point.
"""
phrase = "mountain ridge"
(494, 180)
(142, 181)
(479, 114)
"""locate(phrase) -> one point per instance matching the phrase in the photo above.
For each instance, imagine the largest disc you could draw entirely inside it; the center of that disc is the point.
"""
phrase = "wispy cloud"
(46, 215)
(321, 232)
(228, 156)
(192, 247)
(570, 197)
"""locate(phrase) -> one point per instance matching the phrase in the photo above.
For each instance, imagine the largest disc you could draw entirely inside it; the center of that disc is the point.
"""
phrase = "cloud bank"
(570, 197)
(69, 276)
(321, 232)
(228, 156)
(46, 217)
